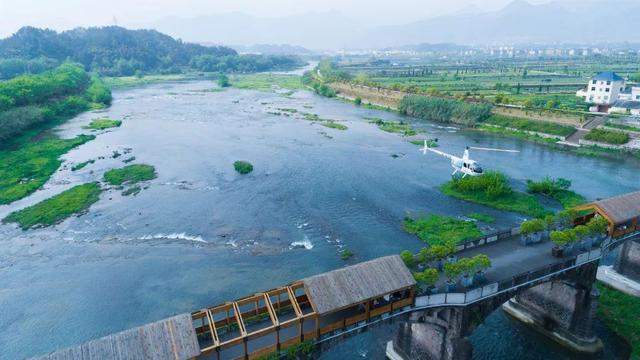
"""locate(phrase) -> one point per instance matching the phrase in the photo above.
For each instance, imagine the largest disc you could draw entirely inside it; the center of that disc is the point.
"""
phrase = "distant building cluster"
(609, 93)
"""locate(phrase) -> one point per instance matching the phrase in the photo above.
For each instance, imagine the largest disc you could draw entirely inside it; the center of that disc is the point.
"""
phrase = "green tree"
(223, 80)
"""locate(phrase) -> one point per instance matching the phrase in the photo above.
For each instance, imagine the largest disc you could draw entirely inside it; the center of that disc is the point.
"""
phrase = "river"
(201, 234)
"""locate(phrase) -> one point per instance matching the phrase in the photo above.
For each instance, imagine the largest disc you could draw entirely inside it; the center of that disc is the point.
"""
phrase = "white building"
(607, 92)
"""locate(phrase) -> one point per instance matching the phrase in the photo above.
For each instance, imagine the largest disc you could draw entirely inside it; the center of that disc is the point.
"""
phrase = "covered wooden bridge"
(304, 310)
(622, 213)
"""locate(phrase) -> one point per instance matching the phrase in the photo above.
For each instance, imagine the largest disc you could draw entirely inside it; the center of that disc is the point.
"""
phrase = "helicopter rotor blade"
(490, 149)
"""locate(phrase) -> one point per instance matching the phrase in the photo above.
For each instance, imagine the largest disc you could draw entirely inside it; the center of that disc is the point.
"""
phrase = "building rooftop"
(608, 76)
(172, 338)
(619, 209)
(339, 289)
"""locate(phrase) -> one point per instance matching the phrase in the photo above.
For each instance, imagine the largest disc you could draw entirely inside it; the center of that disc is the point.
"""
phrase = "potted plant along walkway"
(532, 231)
(581, 237)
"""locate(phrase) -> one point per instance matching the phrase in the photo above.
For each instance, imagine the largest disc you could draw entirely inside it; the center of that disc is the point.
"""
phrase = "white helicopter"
(464, 165)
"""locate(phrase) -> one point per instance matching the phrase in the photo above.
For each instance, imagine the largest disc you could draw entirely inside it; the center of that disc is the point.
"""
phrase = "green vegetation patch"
(393, 126)
(517, 134)
(444, 110)
(492, 189)
(334, 125)
(267, 82)
(530, 125)
(346, 254)
(557, 189)
(102, 124)
(81, 165)
(53, 210)
(619, 311)
(607, 136)
(243, 167)
(440, 230)
(130, 174)
(622, 126)
(26, 169)
(482, 217)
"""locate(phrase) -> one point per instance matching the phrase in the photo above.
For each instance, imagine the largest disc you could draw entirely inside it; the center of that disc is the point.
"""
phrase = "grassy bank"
(440, 230)
(620, 312)
(54, 210)
(517, 134)
(492, 189)
(31, 105)
(530, 125)
(27, 168)
(607, 136)
(131, 174)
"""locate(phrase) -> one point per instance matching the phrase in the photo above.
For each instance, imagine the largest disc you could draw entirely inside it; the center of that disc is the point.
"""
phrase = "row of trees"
(444, 110)
(29, 100)
(116, 51)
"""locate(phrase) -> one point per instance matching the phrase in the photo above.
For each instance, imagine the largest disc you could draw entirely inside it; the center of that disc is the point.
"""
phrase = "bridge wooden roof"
(618, 209)
(172, 338)
(339, 289)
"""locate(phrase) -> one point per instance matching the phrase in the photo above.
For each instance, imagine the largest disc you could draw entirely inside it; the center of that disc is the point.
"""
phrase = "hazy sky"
(65, 14)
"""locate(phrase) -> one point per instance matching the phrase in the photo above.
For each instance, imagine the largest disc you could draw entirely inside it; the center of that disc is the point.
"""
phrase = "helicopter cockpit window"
(476, 168)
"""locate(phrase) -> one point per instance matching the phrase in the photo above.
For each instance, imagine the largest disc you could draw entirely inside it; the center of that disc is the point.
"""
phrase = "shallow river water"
(201, 234)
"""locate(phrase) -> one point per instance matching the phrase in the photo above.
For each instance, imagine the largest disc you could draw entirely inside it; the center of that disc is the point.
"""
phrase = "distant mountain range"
(586, 21)
(270, 49)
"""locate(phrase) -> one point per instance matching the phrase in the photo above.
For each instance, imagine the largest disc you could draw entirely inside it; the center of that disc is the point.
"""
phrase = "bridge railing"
(488, 239)
(526, 278)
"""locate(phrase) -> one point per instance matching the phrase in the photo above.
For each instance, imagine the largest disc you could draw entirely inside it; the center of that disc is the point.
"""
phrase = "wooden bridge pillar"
(562, 309)
(628, 262)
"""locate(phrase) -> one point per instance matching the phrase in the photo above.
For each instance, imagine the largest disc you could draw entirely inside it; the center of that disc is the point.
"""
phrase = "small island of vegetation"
(131, 174)
(57, 208)
(493, 189)
(243, 167)
(440, 230)
(102, 124)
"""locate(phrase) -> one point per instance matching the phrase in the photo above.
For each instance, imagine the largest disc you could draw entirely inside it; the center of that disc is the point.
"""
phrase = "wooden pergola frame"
(244, 337)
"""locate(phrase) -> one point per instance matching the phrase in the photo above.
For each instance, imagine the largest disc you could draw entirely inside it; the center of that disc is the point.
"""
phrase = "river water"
(201, 234)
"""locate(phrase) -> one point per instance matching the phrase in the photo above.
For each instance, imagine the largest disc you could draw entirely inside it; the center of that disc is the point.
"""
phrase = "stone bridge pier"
(628, 262)
(562, 308)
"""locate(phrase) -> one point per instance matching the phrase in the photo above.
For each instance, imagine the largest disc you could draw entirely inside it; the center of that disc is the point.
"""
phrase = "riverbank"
(619, 311)
(529, 125)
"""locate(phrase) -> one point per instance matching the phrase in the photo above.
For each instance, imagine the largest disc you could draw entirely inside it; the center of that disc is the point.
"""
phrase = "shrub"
(223, 81)
(243, 167)
(98, 92)
(444, 110)
(492, 184)
(598, 225)
(408, 259)
(532, 226)
(428, 277)
(607, 136)
(452, 271)
(357, 101)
